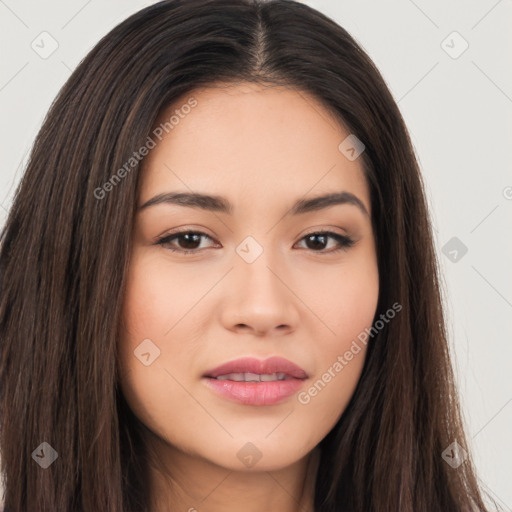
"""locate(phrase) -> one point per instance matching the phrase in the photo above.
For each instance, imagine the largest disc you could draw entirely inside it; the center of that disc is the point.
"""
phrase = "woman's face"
(258, 283)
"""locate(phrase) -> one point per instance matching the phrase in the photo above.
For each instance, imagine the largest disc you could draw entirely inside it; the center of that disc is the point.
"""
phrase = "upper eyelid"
(202, 233)
(184, 232)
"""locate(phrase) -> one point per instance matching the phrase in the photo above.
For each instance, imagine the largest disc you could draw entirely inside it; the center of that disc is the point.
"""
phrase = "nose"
(260, 302)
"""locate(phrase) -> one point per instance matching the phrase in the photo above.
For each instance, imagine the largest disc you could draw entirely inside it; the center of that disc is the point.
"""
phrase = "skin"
(262, 148)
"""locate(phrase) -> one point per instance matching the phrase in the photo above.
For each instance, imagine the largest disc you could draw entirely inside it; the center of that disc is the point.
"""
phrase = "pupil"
(311, 237)
(187, 237)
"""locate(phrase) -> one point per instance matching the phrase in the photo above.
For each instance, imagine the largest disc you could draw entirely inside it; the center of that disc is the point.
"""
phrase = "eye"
(190, 241)
(320, 238)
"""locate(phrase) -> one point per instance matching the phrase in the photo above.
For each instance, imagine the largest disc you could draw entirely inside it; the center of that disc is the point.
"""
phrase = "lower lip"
(255, 393)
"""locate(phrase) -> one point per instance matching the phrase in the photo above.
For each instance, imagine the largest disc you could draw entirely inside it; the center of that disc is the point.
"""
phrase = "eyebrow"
(222, 205)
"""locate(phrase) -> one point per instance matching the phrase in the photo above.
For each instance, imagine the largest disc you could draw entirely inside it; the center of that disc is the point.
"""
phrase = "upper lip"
(253, 365)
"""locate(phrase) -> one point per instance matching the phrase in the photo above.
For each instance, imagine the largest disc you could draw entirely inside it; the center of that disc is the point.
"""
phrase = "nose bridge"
(260, 299)
(256, 267)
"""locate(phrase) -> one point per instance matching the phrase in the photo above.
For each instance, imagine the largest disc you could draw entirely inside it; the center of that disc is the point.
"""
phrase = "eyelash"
(345, 242)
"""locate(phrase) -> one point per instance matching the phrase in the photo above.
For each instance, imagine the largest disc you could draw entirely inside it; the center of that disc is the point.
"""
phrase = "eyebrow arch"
(222, 205)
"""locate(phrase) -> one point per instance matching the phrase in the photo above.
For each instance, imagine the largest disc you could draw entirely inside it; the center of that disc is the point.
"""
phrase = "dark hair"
(64, 256)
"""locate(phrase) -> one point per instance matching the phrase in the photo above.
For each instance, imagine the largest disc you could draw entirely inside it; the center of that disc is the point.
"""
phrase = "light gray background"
(458, 111)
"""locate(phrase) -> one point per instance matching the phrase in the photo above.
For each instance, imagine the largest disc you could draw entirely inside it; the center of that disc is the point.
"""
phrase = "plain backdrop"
(448, 67)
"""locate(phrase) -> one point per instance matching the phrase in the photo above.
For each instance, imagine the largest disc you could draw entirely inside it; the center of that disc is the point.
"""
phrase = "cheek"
(150, 310)
(348, 303)
(340, 360)
(346, 300)
(157, 296)
(146, 316)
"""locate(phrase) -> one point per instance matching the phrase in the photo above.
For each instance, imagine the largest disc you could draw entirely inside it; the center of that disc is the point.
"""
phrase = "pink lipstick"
(251, 381)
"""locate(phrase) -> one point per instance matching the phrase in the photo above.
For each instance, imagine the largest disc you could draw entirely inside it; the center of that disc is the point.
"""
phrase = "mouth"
(250, 369)
(250, 381)
(254, 377)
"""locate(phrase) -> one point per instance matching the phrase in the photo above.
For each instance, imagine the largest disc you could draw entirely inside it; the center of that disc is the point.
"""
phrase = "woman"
(218, 282)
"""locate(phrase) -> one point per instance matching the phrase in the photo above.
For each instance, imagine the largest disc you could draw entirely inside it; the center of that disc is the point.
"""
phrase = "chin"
(254, 454)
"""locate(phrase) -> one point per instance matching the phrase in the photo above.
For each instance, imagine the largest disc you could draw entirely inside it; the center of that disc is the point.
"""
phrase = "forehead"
(267, 141)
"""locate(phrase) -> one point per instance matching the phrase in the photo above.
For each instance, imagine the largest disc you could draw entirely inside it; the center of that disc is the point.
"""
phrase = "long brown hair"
(65, 250)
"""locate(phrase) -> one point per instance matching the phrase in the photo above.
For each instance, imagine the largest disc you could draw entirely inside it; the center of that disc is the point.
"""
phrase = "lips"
(249, 381)
(250, 369)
